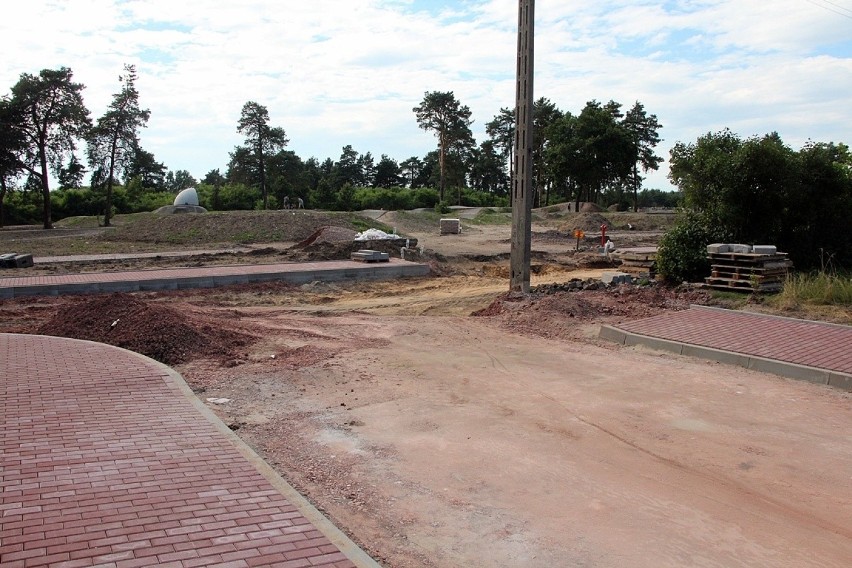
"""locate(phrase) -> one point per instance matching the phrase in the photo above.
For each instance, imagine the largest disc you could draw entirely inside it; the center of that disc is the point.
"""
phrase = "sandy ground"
(437, 439)
(449, 441)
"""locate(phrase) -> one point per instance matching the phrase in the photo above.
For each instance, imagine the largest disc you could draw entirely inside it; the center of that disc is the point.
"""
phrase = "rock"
(615, 278)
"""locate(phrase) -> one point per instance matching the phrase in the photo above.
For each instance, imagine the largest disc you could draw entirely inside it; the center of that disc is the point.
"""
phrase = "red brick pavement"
(107, 461)
(157, 279)
(808, 343)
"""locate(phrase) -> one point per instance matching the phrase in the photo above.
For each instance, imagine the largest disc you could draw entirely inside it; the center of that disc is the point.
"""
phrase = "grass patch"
(820, 289)
(491, 216)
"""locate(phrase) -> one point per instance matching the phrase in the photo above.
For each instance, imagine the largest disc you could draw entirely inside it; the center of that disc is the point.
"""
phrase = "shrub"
(442, 207)
(682, 255)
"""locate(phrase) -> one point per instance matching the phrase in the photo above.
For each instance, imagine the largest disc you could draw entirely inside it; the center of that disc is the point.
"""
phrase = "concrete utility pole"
(522, 192)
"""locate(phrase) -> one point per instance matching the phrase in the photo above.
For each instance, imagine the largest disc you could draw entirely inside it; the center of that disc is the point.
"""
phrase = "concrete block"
(23, 260)
(725, 357)
(654, 343)
(841, 381)
(740, 249)
(765, 249)
(789, 370)
(612, 334)
(615, 278)
(366, 255)
(450, 226)
(718, 247)
(8, 260)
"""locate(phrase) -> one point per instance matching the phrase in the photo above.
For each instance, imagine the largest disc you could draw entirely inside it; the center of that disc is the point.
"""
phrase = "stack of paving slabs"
(367, 255)
(760, 268)
(639, 261)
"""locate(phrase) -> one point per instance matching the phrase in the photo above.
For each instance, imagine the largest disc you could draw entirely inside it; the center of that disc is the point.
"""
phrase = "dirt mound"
(160, 332)
(588, 222)
(550, 311)
(329, 234)
(590, 207)
(226, 227)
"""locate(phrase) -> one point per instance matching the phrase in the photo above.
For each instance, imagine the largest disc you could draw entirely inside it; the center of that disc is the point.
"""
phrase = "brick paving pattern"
(158, 279)
(106, 462)
(808, 343)
(134, 255)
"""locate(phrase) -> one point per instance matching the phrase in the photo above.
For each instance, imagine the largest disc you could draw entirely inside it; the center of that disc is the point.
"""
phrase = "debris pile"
(375, 235)
(329, 234)
(154, 330)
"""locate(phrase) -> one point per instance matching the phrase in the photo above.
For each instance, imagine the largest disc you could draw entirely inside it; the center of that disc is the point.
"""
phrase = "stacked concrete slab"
(640, 262)
(367, 255)
(746, 268)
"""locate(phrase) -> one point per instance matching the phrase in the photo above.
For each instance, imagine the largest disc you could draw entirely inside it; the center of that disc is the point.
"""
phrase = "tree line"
(597, 155)
(759, 190)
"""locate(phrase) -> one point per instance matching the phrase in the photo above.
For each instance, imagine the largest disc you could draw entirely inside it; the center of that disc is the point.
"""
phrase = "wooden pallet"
(748, 272)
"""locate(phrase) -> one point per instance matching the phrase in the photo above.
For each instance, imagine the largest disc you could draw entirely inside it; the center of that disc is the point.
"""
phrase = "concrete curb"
(98, 283)
(781, 368)
(325, 526)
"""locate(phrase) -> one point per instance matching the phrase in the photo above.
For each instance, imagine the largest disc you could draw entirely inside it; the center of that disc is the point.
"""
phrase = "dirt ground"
(436, 438)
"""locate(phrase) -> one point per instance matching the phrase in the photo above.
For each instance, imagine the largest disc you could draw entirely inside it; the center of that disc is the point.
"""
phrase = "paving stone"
(206, 277)
(800, 349)
(89, 480)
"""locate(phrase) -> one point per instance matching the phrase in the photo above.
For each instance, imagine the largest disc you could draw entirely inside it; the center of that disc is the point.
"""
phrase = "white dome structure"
(187, 197)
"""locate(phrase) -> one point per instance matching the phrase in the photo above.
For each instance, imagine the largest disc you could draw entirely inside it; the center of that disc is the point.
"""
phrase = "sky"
(349, 72)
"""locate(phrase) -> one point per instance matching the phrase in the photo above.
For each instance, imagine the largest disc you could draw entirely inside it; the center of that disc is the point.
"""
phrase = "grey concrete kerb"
(335, 535)
(786, 369)
(91, 481)
(206, 277)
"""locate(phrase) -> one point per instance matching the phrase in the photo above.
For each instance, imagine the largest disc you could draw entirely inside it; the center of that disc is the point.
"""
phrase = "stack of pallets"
(747, 269)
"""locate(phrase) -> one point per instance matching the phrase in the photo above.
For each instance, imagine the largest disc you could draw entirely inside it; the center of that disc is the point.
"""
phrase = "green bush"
(442, 207)
(682, 255)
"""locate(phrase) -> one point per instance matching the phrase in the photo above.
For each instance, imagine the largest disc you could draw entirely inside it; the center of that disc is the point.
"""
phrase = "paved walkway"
(108, 459)
(206, 277)
(74, 258)
(807, 350)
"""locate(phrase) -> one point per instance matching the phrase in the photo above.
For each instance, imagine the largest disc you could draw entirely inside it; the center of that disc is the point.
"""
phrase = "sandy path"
(444, 441)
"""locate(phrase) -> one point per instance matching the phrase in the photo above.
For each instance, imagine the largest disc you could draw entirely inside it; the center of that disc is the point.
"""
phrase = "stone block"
(23, 260)
(765, 249)
(8, 260)
(740, 249)
(718, 247)
(366, 255)
(615, 278)
(450, 226)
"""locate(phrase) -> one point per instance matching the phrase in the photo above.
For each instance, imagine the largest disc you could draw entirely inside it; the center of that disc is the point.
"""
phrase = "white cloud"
(337, 72)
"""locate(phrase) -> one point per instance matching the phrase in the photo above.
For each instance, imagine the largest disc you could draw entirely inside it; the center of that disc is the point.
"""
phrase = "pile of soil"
(230, 227)
(552, 312)
(330, 234)
(157, 331)
(589, 222)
